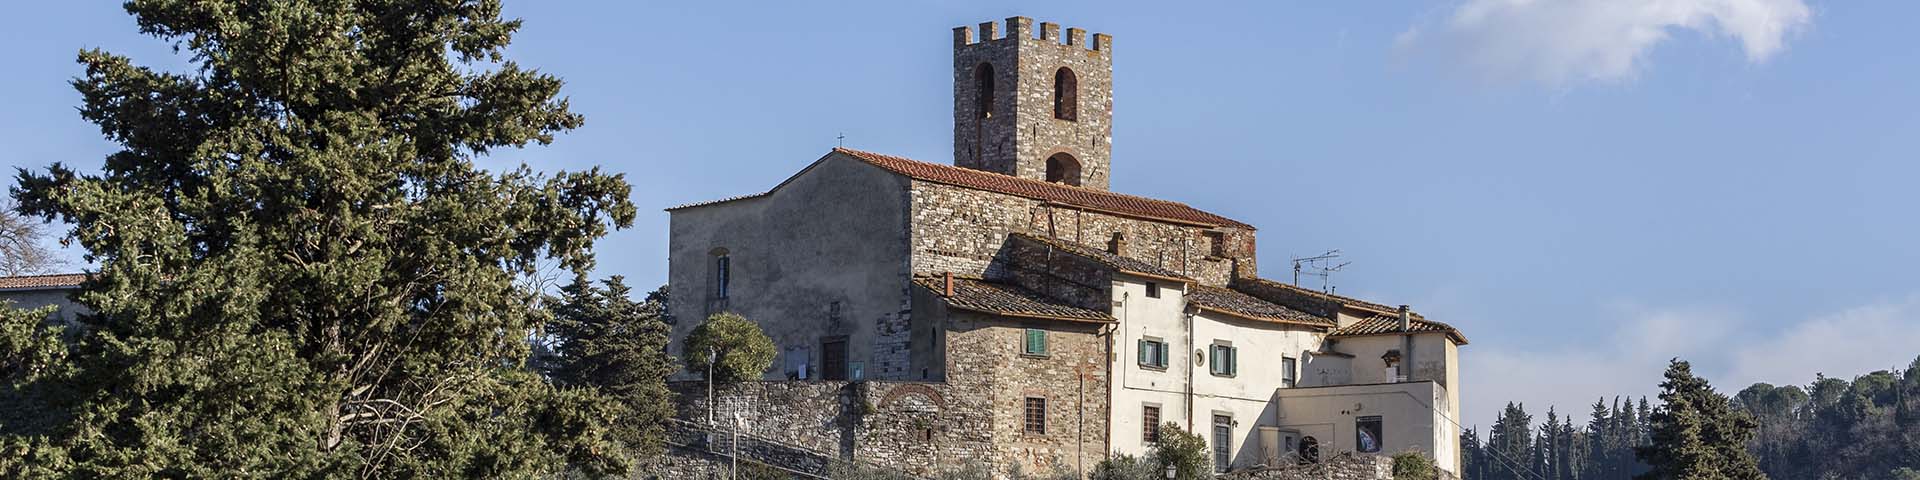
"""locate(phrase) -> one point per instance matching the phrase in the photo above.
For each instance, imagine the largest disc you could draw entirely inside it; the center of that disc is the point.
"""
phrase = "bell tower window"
(983, 90)
(1062, 168)
(1066, 95)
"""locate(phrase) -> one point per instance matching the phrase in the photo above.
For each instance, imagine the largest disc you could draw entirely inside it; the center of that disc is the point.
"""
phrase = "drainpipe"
(1190, 361)
(1406, 344)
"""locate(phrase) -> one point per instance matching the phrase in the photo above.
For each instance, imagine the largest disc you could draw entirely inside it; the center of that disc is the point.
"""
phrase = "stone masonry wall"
(1339, 467)
(915, 427)
(987, 370)
(961, 230)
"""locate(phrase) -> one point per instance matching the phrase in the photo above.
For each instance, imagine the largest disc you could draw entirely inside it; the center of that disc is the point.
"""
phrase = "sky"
(1587, 188)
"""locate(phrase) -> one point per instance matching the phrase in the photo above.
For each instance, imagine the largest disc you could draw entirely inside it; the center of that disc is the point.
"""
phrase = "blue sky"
(1586, 187)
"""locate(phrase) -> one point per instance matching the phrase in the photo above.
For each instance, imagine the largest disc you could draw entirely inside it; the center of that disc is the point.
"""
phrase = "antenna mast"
(1319, 266)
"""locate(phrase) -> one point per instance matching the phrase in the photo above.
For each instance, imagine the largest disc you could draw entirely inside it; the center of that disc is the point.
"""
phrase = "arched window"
(1066, 95)
(983, 90)
(1062, 168)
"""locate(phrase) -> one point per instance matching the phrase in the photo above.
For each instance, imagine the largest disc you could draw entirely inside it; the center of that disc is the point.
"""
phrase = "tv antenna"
(1321, 265)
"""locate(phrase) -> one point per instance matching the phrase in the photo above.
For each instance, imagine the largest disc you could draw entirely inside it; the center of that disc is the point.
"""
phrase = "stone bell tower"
(1032, 104)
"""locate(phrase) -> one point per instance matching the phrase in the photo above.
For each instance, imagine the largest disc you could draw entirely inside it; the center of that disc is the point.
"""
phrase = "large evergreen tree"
(1696, 432)
(302, 273)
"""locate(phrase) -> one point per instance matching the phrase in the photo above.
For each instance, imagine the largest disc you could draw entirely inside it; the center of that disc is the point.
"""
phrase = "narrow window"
(1150, 422)
(983, 90)
(723, 274)
(1066, 95)
(1367, 434)
(1225, 363)
(1222, 442)
(1153, 290)
(1062, 168)
(1219, 243)
(1288, 367)
(1036, 416)
(1036, 342)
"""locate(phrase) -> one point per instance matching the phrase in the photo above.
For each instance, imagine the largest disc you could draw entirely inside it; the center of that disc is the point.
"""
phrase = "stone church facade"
(1009, 308)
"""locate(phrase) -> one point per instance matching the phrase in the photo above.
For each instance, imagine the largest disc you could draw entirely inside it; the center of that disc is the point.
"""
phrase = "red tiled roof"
(39, 282)
(1087, 198)
(1247, 306)
(1390, 325)
(1002, 299)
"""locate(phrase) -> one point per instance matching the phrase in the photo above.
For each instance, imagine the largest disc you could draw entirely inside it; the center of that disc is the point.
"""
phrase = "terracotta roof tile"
(1241, 304)
(723, 200)
(1087, 198)
(38, 282)
(1122, 263)
(1390, 325)
(1002, 299)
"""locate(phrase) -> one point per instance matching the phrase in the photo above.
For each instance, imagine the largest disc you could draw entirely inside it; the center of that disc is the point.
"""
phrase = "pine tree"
(1510, 444)
(302, 273)
(1599, 453)
(1697, 434)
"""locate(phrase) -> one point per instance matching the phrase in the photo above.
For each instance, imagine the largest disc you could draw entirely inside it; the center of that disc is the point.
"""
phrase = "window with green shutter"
(1225, 362)
(1036, 342)
(1153, 353)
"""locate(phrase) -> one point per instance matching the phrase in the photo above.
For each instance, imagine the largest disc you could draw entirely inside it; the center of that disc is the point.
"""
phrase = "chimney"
(1406, 319)
(949, 277)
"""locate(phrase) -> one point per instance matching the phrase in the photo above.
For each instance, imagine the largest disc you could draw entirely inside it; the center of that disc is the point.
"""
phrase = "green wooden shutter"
(1160, 355)
(1036, 341)
(1143, 353)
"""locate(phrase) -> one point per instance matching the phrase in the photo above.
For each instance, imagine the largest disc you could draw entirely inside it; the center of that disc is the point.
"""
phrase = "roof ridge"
(1195, 215)
(858, 153)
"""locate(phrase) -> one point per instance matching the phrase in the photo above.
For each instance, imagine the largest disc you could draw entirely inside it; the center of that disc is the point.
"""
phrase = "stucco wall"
(824, 255)
(1408, 421)
(1247, 395)
(31, 299)
(1142, 317)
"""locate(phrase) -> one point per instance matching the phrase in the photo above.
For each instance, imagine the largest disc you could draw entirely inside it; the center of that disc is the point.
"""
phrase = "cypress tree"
(1697, 434)
(301, 271)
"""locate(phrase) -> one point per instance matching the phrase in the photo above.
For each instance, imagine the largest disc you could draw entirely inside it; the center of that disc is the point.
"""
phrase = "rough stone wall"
(915, 427)
(986, 368)
(1067, 277)
(1021, 131)
(962, 230)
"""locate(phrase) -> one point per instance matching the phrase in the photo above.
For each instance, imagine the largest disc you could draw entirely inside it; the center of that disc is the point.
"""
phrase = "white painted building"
(1270, 373)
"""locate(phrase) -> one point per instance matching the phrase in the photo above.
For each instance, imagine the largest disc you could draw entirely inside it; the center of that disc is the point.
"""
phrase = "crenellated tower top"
(1033, 104)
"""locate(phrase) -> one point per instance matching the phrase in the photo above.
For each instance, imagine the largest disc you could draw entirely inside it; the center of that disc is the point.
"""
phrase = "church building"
(1044, 320)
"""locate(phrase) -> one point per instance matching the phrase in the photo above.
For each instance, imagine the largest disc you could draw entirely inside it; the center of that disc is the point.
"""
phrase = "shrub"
(1414, 466)
(1186, 452)
(1126, 467)
(744, 352)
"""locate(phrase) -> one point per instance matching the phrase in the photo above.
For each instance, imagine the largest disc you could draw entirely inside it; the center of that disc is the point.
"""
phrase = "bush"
(744, 352)
(1126, 467)
(1414, 466)
(1186, 452)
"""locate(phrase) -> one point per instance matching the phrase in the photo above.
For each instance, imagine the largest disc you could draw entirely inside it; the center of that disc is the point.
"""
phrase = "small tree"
(1414, 466)
(1186, 452)
(742, 351)
(1697, 433)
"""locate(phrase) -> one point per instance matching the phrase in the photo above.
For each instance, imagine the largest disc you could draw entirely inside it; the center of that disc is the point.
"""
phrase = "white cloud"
(1721, 344)
(1563, 42)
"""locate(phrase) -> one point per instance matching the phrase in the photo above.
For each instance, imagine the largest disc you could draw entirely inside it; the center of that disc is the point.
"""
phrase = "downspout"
(1190, 361)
